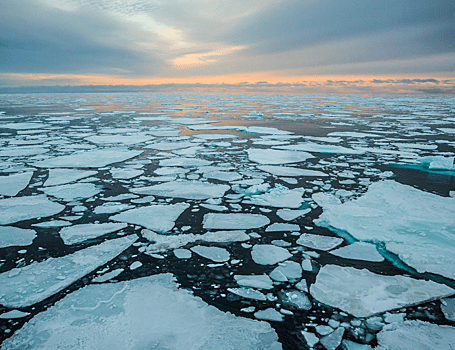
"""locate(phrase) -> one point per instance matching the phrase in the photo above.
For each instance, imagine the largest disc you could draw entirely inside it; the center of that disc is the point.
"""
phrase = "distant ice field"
(202, 221)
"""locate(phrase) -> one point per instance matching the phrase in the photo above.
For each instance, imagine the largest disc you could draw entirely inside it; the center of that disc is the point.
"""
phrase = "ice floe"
(97, 158)
(318, 242)
(215, 254)
(268, 254)
(11, 185)
(240, 221)
(269, 156)
(14, 236)
(287, 271)
(82, 232)
(317, 148)
(254, 281)
(72, 192)
(184, 189)
(25, 208)
(363, 293)
(279, 196)
(129, 314)
(248, 293)
(160, 218)
(415, 225)
(64, 176)
(359, 251)
(290, 171)
(289, 215)
(31, 284)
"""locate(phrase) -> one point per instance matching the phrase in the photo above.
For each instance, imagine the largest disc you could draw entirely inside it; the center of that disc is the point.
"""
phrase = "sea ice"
(145, 312)
(269, 315)
(184, 189)
(269, 156)
(359, 251)
(97, 158)
(333, 340)
(126, 174)
(107, 276)
(163, 243)
(279, 196)
(160, 218)
(223, 175)
(363, 293)
(287, 271)
(278, 226)
(25, 208)
(13, 314)
(318, 242)
(125, 140)
(11, 185)
(317, 148)
(448, 309)
(254, 281)
(248, 293)
(215, 254)
(234, 221)
(415, 225)
(80, 233)
(14, 236)
(31, 284)
(72, 192)
(268, 254)
(64, 176)
(294, 299)
(184, 162)
(289, 215)
(417, 335)
(290, 171)
(181, 253)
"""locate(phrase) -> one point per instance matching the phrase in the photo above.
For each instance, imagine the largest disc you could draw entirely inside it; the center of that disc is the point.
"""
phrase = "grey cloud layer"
(322, 37)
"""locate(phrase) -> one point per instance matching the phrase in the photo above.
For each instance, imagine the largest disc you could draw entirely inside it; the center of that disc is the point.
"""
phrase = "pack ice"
(270, 156)
(363, 293)
(149, 312)
(417, 226)
(11, 185)
(31, 284)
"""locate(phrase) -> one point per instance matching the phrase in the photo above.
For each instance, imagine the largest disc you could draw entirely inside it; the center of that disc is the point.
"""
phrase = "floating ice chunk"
(119, 173)
(415, 225)
(64, 176)
(333, 340)
(214, 207)
(363, 293)
(215, 254)
(269, 156)
(438, 162)
(223, 175)
(289, 215)
(447, 130)
(120, 139)
(163, 243)
(111, 208)
(359, 251)
(135, 265)
(248, 293)
(150, 311)
(13, 314)
(15, 236)
(319, 242)
(24, 208)
(269, 315)
(279, 196)
(52, 224)
(416, 335)
(350, 345)
(11, 185)
(310, 338)
(268, 254)
(184, 162)
(215, 136)
(80, 233)
(108, 276)
(294, 299)
(170, 145)
(160, 218)
(184, 189)
(353, 134)
(31, 284)
(290, 171)
(287, 271)
(23, 151)
(182, 253)
(254, 281)
(72, 192)
(448, 309)
(317, 148)
(278, 226)
(234, 221)
(97, 158)
(22, 126)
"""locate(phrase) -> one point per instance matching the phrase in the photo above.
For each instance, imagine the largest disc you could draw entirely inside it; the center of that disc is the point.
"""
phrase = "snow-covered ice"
(289, 214)
(359, 251)
(215, 254)
(148, 311)
(279, 196)
(268, 254)
(415, 225)
(160, 218)
(14, 236)
(240, 221)
(287, 271)
(248, 293)
(25, 208)
(82, 232)
(33, 283)
(64, 176)
(184, 189)
(363, 293)
(11, 185)
(318, 242)
(269, 156)
(317, 148)
(290, 171)
(254, 281)
(269, 315)
(72, 192)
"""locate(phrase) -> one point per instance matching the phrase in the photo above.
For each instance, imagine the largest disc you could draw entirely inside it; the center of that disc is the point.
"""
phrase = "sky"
(287, 44)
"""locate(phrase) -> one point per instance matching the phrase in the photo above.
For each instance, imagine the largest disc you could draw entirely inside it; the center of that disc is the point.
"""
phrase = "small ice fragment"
(215, 254)
(289, 214)
(291, 270)
(333, 340)
(269, 156)
(248, 293)
(234, 221)
(294, 299)
(135, 265)
(80, 233)
(181, 253)
(64, 176)
(13, 314)
(278, 226)
(310, 338)
(290, 171)
(254, 281)
(269, 315)
(319, 242)
(108, 276)
(268, 254)
(359, 251)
